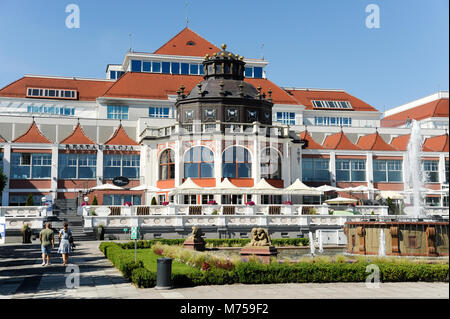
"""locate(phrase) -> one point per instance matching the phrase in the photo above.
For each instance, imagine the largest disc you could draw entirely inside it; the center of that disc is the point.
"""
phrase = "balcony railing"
(217, 127)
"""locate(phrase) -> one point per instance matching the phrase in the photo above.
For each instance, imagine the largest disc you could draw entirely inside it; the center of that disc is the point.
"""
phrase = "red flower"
(205, 266)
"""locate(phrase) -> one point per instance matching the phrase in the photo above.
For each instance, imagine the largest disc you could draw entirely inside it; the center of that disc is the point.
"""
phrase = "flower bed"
(187, 268)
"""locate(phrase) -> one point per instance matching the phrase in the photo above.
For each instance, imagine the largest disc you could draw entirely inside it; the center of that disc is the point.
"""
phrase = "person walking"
(65, 248)
(47, 243)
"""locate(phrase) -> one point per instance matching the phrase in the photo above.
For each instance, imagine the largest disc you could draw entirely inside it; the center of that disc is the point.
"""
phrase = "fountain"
(414, 171)
(311, 244)
(420, 237)
(320, 242)
(382, 244)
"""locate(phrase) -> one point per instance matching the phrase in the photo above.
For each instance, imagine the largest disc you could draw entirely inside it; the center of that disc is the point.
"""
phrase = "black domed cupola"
(223, 95)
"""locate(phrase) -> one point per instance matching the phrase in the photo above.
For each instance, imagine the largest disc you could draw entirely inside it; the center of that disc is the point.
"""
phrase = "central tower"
(223, 95)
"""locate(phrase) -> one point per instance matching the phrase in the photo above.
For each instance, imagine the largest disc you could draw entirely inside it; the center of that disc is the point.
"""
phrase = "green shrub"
(143, 278)
(317, 270)
(29, 201)
(94, 201)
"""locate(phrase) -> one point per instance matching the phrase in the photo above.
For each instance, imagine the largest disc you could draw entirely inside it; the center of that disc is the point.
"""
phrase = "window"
(332, 104)
(199, 163)
(236, 163)
(175, 68)
(117, 112)
(20, 200)
(120, 199)
(159, 112)
(156, 67)
(446, 172)
(30, 165)
(270, 164)
(258, 72)
(190, 199)
(193, 69)
(51, 93)
(121, 165)
(136, 66)
(184, 68)
(412, 242)
(146, 66)
(207, 198)
(248, 72)
(286, 118)
(350, 170)
(432, 201)
(167, 165)
(51, 110)
(431, 171)
(332, 121)
(387, 171)
(166, 67)
(315, 169)
(77, 166)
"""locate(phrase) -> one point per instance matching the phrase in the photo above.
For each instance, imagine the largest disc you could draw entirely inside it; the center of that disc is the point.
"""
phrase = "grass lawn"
(148, 257)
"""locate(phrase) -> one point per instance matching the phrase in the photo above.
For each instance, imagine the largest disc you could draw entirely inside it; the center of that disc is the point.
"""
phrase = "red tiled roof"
(339, 141)
(437, 143)
(374, 142)
(120, 137)
(305, 97)
(77, 137)
(311, 143)
(187, 43)
(401, 143)
(33, 135)
(88, 90)
(437, 108)
(2, 140)
(158, 86)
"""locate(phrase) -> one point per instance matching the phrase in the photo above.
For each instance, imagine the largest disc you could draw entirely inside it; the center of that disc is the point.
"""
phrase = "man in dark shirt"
(47, 243)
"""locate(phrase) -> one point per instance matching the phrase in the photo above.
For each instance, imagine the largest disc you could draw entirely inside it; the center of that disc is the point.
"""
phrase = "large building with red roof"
(61, 136)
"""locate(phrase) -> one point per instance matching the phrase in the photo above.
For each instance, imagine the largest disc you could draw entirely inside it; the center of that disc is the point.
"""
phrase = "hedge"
(256, 273)
(228, 242)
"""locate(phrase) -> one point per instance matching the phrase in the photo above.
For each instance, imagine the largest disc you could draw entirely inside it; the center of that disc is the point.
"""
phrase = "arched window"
(270, 164)
(199, 163)
(236, 163)
(167, 165)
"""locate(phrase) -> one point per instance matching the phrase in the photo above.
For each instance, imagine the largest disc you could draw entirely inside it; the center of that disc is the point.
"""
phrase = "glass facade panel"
(194, 69)
(167, 165)
(350, 170)
(156, 67)
(117, 112)
(27, 165)
(199, 163)
(184, 68)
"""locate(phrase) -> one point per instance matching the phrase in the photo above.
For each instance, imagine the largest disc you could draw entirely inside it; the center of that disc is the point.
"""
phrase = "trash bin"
(164, 273)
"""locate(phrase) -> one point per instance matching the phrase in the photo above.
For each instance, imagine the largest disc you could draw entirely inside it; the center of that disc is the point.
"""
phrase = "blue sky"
(315, 44)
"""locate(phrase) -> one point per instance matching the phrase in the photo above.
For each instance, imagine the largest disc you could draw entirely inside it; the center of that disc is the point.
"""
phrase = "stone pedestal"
(194, 245)
(263, 253)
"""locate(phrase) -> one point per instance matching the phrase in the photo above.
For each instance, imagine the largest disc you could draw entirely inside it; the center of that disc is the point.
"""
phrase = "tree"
(153, 201)
(3, 180)
(29, 200)
(94, 201)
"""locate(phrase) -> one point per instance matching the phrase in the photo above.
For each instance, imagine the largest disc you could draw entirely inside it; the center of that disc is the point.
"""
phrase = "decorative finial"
(270, 94)
(206, 56)
(199, 88)
(241, 58)
(224, 46)
(241, 89)
(222, 54)
(214, 54)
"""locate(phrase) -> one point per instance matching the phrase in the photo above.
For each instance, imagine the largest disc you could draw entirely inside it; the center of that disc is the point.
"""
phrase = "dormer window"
(332, 104)
(52, 93)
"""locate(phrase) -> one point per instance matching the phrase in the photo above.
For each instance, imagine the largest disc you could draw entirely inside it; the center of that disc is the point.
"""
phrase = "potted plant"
(26, 234)
(100, 232)
(127, 204)
(288, 202)
(212, 202)
(153, 201)
(250, 203)
(215, 212)
(165, 203)
(94, 201)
